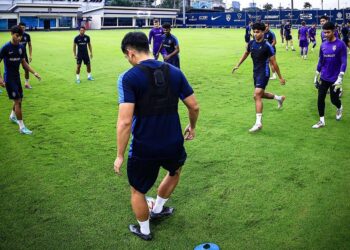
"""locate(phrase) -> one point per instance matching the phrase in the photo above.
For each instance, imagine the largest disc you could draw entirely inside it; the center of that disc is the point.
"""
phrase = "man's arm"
(30, 50)
(126, 112)
(175, 52)
(75, 50)
(2, 83)
(160, 48)
(245, 55)
(150, 36)
(277, 69)
(193, 112)
(27, 67)
(90, 48)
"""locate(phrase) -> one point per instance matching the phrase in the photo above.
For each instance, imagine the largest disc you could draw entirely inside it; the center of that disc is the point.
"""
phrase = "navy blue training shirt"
(287, 29)
(25, 39)
(269, 36)
(12, 56)
(82, 42)
(155, 136)
(169, 43)
(248, 29)
(260, 53)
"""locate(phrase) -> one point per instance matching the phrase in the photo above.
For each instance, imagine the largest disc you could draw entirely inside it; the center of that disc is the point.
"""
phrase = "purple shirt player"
(332, 65)
(303, 40)
(156, 35)
(333, 60)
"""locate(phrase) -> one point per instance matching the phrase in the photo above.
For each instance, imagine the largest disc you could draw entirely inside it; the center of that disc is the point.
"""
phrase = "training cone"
(207, 246)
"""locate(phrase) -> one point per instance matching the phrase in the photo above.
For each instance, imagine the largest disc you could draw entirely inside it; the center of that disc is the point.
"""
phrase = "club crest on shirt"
(334, 48)
(20, 51)
(228, 17)
(25, 38)
(169, 41)
(85, 39)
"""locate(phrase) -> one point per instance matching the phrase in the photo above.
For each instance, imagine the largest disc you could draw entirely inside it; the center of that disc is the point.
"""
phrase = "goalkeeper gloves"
(316, 79)
(338, 83)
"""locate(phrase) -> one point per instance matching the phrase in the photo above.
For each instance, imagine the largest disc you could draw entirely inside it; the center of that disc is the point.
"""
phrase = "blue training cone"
(207, 246)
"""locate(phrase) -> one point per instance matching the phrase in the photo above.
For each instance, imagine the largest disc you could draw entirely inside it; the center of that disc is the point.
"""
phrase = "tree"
(267, 6)
(171, 4)
(307, 5)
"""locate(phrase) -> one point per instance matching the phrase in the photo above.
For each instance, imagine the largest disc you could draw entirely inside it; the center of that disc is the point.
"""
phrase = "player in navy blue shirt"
(149, 93)
(12, 53)
(262, 54)
(288, 35)
(26, 40)
(270, 37)
(282, 32)
(248, 32)
(82, 41)
(171, 46)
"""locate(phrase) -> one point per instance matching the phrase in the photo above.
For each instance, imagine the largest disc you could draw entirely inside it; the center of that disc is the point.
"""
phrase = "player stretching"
(262, 53)
(332, 65)
(82, 41)
(303, 37)
(288, 35)
(26, 39)
(13, 55)
(156, 35)
(312, 35)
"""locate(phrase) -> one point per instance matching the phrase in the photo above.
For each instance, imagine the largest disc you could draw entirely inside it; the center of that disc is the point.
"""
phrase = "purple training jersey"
(333, 60)
(303, 33)
(156, 35)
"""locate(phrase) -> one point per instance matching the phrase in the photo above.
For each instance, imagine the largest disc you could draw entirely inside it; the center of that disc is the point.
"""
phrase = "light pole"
(183, 13)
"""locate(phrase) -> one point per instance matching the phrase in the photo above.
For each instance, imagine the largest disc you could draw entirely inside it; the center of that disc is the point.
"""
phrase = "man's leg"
(141, 210)
(78, 73)
(335, 99)
(165, 189)
(88, 69)
(18, 111)
(322, 92)
(26, 79)
(291, 45)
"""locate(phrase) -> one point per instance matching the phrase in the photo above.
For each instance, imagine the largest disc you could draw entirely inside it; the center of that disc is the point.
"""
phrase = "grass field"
(286, 187)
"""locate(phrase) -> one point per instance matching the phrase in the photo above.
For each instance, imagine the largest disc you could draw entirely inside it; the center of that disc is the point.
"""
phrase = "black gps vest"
(159, 98)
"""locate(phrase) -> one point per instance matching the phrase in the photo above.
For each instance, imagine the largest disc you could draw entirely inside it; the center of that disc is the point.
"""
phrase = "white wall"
(95, 23)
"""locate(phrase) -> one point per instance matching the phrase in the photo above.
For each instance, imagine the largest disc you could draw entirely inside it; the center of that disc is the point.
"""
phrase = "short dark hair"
(303, 23)
(82, 27)
(22, 24)
(267, 24)
(135, 40)
(328, 26)
(155, 21)
(259, 26)
(16, 30)
(166, 26)
(324, 17)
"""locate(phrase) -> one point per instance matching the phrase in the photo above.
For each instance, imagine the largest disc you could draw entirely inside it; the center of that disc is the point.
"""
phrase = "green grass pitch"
(286, 187)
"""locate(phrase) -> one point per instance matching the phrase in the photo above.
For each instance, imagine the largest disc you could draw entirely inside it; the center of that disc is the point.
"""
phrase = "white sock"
(258, 118)
(26, 81)
(13, 114)
(292, 47)
(144, 226)
(78, 77)
(341, 107)
(274, 75)
(21, 124)
(89, 74)
(277, 97)
(322, 119)
(158, 206)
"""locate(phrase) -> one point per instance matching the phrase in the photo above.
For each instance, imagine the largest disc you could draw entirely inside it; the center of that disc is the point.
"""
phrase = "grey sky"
(327, 4)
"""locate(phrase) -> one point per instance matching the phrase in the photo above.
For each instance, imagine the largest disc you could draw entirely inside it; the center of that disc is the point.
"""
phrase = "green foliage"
(267, 6)
(307, 5)
(286, 187)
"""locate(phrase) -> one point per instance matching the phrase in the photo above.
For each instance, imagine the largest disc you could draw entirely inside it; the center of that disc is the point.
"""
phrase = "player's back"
(156, 126)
